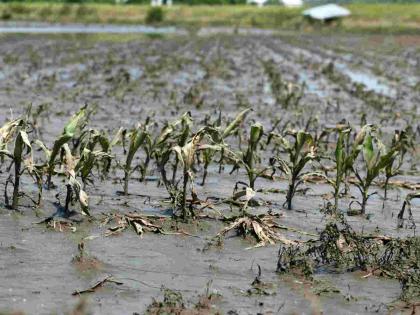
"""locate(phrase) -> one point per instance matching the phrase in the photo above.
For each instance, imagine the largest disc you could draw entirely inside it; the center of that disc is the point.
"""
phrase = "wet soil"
(129, 79)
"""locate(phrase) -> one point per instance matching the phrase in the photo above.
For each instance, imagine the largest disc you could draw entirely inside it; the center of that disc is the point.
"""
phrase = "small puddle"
(135, 73)
(158, 211)
(187, 78)
(369, 80)
(45, 28)
(415, 202)
(65, 75)
(412, 81)
(310, 85)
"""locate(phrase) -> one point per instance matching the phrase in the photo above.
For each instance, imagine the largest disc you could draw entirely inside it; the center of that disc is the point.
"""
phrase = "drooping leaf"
(235, 123)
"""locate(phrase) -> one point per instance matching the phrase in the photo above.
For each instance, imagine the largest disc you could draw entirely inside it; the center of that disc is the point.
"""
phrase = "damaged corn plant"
(179, 158)
(342, 249)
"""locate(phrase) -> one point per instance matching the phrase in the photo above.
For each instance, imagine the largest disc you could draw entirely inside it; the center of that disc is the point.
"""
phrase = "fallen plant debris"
(173, 303)
(262, 227)
(340, 247)
(98, 285)
(140, 224)
(177, 124)
(59, 224)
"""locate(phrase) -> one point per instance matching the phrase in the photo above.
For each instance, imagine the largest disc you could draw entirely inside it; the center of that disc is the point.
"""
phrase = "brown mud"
(128, 80)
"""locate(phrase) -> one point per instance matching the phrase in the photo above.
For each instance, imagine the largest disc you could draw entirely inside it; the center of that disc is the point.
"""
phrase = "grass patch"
(365, 17)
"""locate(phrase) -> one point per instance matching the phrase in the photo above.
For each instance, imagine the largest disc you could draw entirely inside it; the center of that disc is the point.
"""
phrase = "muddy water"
(129, 80)
(46, 28)
(370, 81)
(39, 275)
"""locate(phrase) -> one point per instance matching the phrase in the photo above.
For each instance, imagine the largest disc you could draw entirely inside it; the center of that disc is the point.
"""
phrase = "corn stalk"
(15, 128)
(138, 136)
(249, 158)
(68, 133)
(375, 159)
(300, 152)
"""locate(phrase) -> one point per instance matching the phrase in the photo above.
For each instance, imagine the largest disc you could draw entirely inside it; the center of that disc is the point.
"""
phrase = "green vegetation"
(154, 15)
(365, 17)
(300, 152)
(190, 142)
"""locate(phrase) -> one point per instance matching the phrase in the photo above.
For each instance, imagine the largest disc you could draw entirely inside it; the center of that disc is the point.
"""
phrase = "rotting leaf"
(261, 227)
(140, 224)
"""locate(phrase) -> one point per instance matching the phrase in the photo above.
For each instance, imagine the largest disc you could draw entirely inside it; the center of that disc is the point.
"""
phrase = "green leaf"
(137, 138)
(235, 123)
(368, 152)
(257, 132)
(66, 136)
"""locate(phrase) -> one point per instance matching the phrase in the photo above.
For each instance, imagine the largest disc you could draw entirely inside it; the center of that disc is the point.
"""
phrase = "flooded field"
(161, 168)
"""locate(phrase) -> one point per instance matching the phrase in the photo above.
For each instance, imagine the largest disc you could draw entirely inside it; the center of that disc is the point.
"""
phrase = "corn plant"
(301, 152)
(186, 156)
(74, 191)
(36, 117)
(249, 159)
(286, 94)
(174, 134)
(375, 160)
(92, 140)
(218, 136)
(18, 129)
(86, 163)
(346, 154)
(340, 163)
(68, 133)
(401, 140)
(138, 137)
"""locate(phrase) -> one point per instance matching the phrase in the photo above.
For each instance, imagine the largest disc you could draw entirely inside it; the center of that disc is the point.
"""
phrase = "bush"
(6, 14)
(19, 8)
(154, 15)
(83, 10)
(45, 12)
(65, 10)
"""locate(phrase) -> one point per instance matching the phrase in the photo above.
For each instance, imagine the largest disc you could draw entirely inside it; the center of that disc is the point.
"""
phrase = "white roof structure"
(326, 12)
(292, 3)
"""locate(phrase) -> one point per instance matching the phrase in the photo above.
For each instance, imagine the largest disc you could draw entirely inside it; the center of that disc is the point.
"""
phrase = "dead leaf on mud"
(262, 227)
(403, 184)
(140, 224)
(59, 224)
(97, 286)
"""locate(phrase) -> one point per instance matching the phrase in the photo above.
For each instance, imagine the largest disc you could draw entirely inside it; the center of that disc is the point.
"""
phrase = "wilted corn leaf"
(7, 132)
(68, 133)
(262, 227)
(231, 128)
(137, 138)
(357, 145)
(139, 223)
(81, 195)
(248, 193)
(368, 151)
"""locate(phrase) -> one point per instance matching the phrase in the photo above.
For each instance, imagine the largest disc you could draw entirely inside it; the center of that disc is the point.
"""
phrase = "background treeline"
(211, 2)
(186, 2)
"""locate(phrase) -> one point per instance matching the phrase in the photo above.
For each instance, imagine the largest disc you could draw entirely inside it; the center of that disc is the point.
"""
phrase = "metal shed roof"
(325, 12)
